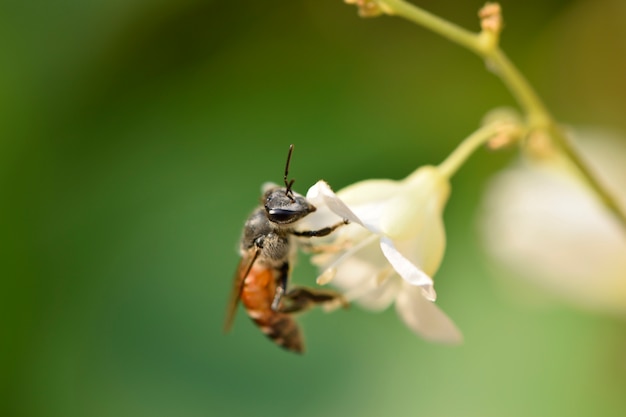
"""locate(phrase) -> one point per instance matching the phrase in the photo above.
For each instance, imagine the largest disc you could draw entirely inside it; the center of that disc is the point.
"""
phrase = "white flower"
(391, 249)
(544, 226)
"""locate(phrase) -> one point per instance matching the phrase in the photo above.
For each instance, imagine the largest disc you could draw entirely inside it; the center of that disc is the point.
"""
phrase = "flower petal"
(330, 268)
(321, 194)
(373, 295)
(369, 200)
(544, 227)
(363, 191)
(407, 270)
(426, 318)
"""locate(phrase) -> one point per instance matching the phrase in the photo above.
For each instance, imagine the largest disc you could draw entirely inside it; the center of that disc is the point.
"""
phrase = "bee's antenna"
(288, 184)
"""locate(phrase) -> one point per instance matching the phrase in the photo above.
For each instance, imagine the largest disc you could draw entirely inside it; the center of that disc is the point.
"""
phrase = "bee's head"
(283, 206)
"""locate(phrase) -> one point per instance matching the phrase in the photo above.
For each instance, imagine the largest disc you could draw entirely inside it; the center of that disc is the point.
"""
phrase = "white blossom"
(391, 249)
(545, 227)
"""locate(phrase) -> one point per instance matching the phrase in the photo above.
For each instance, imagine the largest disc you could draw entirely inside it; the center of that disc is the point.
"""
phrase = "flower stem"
(536, 113)
(485, 45)
(465, 149)
(575, 158)
(436, 24)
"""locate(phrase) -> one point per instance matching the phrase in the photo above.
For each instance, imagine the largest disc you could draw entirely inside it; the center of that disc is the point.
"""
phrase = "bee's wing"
(245, 265)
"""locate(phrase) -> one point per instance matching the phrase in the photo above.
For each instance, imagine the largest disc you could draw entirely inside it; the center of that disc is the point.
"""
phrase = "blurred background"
(134, 137)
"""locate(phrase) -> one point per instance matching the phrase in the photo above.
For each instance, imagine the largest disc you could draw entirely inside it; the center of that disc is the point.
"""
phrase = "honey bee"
(267, 248)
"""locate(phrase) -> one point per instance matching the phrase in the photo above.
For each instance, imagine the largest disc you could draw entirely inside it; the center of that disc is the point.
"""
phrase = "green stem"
(536, 113)
(485, 45)
(436, 24)
(576, 159)
(465, 149)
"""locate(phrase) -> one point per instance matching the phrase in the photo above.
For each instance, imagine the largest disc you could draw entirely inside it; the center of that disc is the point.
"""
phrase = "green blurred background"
(134, 137)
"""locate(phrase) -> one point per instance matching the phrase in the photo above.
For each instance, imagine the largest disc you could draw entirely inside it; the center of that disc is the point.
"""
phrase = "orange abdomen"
(257, 295)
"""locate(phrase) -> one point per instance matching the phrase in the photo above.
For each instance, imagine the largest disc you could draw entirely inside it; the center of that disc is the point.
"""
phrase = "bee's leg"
(281, 287)
(301, 298)
(309, 247)
(321, 232)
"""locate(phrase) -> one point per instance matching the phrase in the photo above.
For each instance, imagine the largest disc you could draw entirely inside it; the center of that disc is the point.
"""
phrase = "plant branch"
(480, 137)
(486, 45)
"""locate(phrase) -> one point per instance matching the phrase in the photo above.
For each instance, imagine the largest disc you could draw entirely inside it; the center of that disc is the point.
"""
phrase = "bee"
(267, 249)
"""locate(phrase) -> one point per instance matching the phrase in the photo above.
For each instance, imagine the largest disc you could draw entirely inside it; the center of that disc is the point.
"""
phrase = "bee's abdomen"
(257, 296)
(281, 328)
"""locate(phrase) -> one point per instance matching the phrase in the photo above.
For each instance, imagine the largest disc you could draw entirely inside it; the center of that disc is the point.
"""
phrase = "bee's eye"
(282, 216)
